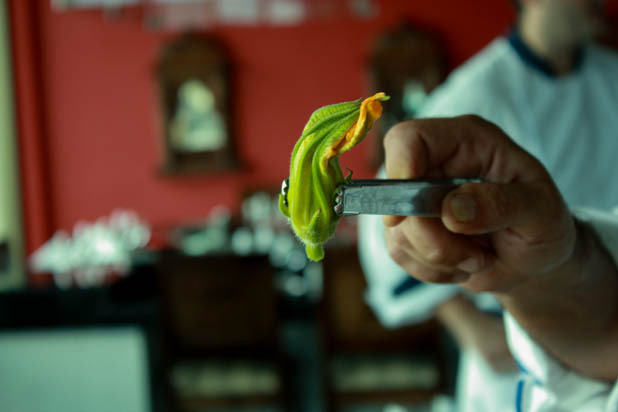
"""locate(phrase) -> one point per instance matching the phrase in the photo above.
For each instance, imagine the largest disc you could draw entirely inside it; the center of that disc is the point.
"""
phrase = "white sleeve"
(546, 384)
(605, 224)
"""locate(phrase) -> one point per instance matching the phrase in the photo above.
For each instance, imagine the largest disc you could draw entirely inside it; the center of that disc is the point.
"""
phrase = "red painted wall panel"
(97, 146)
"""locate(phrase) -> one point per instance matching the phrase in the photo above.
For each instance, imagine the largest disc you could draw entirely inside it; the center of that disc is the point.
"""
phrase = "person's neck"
(561, 58)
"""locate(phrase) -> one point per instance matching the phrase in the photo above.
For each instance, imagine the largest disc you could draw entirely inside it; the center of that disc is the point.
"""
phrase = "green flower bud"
(315, 172)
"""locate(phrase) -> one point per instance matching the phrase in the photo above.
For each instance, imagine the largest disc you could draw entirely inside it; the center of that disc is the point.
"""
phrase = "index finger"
(465, 146)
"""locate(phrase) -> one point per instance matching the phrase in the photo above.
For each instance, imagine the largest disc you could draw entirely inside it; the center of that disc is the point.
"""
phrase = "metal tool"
(395, 197)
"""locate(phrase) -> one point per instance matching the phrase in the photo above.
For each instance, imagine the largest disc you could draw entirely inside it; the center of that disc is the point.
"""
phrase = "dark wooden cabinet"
(365, 363)
(221, 325)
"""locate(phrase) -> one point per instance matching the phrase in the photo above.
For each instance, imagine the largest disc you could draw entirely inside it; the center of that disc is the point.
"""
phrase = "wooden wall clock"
(194, 86)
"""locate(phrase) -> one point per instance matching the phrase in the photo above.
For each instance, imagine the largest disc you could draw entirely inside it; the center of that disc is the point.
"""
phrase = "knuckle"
(479, 121)
(430, 275)
(398, 236)
(473, 118)
(395, 241)
(434, 245)
(484, 125)
(438, 256)
(396, 252)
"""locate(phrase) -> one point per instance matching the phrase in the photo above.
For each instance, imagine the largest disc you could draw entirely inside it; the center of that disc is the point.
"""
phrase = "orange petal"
(370, 111)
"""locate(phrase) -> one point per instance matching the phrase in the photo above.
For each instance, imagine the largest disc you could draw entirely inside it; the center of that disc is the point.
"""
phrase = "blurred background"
(144, 265)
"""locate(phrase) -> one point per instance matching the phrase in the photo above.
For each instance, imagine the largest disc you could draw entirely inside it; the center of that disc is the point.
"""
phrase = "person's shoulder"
(599, 53)
(488, 74)
(495, 55)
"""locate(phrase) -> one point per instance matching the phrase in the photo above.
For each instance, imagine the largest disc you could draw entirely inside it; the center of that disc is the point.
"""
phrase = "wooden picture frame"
(194, 87)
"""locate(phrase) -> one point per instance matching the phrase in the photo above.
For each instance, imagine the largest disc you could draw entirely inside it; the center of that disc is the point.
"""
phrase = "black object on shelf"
(4, 256)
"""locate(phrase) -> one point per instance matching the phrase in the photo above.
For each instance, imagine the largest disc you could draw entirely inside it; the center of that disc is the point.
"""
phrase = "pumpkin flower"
(309, 196)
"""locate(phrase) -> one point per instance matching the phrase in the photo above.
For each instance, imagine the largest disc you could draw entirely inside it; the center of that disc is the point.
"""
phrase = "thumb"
(530, 209)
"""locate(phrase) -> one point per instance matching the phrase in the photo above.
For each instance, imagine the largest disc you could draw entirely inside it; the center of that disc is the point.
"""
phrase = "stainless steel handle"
(395, 197)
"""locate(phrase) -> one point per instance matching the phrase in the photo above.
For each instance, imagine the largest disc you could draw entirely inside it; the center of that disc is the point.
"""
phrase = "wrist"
(531, 290)
(537, 302)
(556, 309)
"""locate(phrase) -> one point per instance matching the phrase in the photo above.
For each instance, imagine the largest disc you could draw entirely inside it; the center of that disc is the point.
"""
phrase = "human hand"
(492, 235)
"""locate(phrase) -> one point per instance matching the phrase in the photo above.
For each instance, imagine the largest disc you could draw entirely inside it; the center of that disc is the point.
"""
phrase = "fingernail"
(463, 207)
(470, 265)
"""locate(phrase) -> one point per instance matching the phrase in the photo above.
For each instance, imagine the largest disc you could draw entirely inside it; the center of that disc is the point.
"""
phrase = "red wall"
(88, 111)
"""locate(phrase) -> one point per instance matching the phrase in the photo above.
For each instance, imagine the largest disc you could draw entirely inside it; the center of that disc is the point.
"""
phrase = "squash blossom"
(315, 172)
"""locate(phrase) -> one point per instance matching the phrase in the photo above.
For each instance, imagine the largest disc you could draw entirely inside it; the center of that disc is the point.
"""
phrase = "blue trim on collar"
(530, 58)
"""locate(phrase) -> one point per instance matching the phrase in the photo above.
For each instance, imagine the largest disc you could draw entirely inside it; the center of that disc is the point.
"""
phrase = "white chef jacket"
(569, 123)
(546, 385)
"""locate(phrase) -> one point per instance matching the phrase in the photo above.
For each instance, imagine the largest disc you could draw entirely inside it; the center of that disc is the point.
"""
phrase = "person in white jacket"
(554, 270)
(555, 93)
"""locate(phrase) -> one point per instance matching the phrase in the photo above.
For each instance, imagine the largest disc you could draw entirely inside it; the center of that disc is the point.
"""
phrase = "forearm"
(572, 312)
(454, 314)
